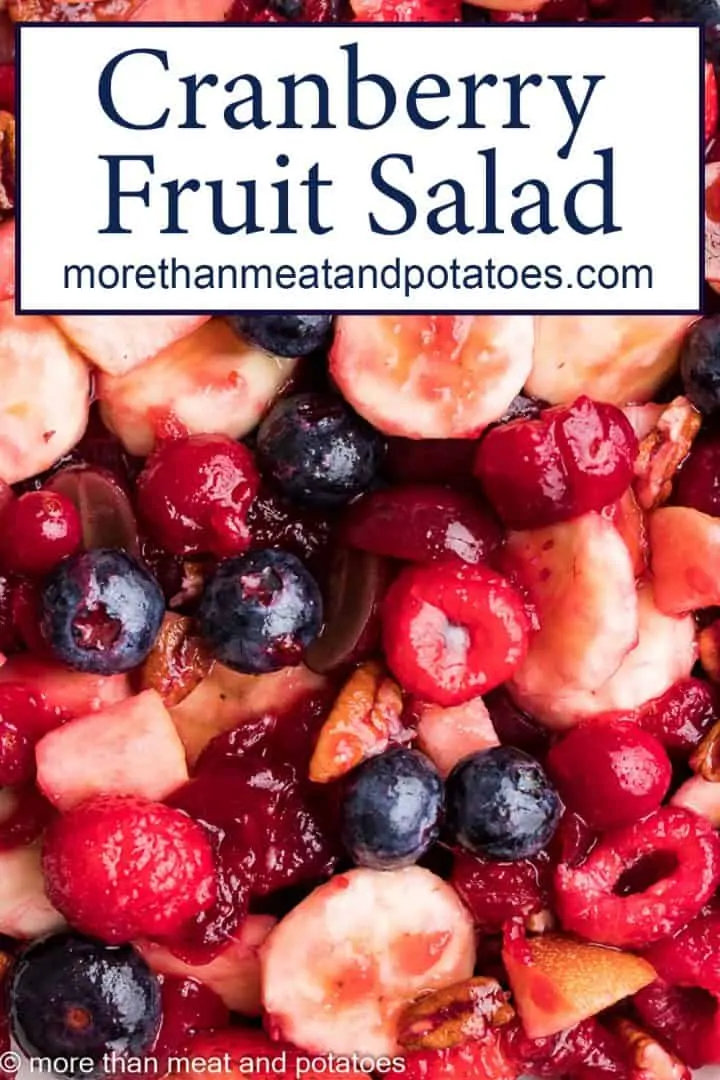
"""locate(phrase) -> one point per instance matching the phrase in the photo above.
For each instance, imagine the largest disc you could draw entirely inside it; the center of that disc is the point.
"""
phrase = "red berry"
(188, 1007)
(38, 530)
(422, 523)
(610, 772)
(120, 867)
(643, 882)
(7, 87)
(697, 484)
(274, 521)
(497, 891)
(711, 101)
(478, 1057)
(683, 1006)
(572, 459)
(24, 816)
(581, 1052)
(401, 11)
(452, 631)
(195, 492)
(430, 461)
(681, 716)
(25, 717)
(514, 727)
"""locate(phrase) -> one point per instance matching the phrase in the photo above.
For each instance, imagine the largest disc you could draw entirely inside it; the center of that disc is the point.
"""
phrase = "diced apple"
(614, 358)
(74, 693)
(234, 974)
(118, 343)
(701, 796)
(685, 559)
(225, 700)
(447, 735)
(643, 418)
(210, 381)
(25, 911)
(568, 981)
(131, 748)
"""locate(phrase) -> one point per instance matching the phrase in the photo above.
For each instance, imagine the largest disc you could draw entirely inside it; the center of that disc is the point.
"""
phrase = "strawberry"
(431, 376)
(131, 748)
(685, 559)
(567, 981)
(711, 101)
(406, 10)
(121, 867)
(452, 631)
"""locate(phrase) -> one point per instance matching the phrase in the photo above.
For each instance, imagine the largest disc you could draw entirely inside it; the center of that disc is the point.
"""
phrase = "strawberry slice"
(431, 376)
(118, 343)
(685, 559)
(616, 359)
(568, 981)
(580, 577)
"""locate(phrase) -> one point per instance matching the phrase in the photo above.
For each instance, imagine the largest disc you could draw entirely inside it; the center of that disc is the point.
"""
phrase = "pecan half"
(178, 661)
(195, 573)
(362, 722)
(705, 760)
(709, 649)
(663, 451)
(650, 1060)
(7, 164)
(442, 1019)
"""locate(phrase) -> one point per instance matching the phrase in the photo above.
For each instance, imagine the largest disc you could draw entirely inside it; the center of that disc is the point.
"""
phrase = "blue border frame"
(517, 27)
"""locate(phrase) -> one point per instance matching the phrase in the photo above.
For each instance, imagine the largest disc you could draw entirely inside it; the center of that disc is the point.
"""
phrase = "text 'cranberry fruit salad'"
(360, 677)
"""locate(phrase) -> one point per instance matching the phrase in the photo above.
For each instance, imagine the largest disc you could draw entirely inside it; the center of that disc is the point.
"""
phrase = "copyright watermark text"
(282, 1064)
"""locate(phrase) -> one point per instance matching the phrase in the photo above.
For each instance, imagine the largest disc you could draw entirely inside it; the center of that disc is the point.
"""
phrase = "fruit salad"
(359, 676)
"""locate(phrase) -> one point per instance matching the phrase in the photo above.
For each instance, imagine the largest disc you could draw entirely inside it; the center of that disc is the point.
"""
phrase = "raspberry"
(572, 459)
(643, 882)
(496, 891)
(453, 631)
(681, 716)
(38, 530)
(120, 867)
(194, 495)
(610, 773)
(683, 1006)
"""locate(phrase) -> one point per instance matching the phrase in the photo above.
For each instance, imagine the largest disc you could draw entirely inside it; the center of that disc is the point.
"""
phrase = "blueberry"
(700, 364)
(259, 612)
(500, 804)
(391, 811)
(285, 335)
(318, 450)
(73, 997)
(101, 611)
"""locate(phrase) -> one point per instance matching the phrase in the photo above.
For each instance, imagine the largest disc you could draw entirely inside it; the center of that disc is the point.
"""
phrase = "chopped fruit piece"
(234, 974)
(286, 334)
(46, 395)
(177, 662)
(194, 495)
(38, 530)
(70, 693)
(665, 653)
(711, 101)
(132, 748)
(422, 523)
(107, 518)
(121, 867)
(611, 773)
(452, 631)
(630, 522)
(317, 450)
(355, 585)
(25, 911)
(260, 611)
(431, 376)
(571, 460)
(643, 882)
(24, 816)
(698, 481)
(454, 1014)
(226, 699)
(617, 359)
(500, 804)
(414, 11)
(681, 716)
(663, 451)
(587, 1051)
(567, 981)
(701, 796)
(683, 1006)
(643, 418)
(580, 578)
(210, 382)
(496, 892)
(71, 995)
(482, 1058)
(709, 649)
(392, 809)
(101, 611)
(685, 559)
(117, 344)
(25, 717)
(447, 735)
(362, 723)
(338, 969)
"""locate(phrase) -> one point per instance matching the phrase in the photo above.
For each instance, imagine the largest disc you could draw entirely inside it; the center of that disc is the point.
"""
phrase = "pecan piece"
(7, 164)
(442, 1019)
(709, 649)
(362, 722)
(651, 1061)
(705, 758)
(663, 451)
(178, 661)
